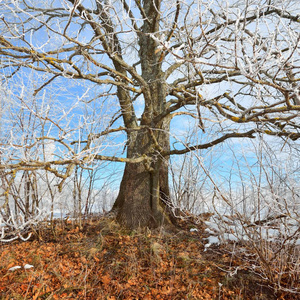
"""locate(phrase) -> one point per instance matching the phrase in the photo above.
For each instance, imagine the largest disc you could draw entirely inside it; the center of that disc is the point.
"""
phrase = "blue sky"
(62, 94)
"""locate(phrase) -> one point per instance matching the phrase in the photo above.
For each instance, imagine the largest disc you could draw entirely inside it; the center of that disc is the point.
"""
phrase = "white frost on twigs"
(15, 227)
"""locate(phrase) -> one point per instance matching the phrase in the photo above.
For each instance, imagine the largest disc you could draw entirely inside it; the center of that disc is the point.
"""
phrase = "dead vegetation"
(104, 261)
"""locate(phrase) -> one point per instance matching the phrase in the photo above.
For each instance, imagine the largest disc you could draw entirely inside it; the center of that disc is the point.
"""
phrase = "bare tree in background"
(232, 66)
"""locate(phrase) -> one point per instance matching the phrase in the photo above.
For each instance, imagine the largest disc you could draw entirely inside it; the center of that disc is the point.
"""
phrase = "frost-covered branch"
(18, 227)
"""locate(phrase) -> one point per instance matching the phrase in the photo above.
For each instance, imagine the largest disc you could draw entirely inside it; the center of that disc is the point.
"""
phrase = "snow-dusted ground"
(277, 229)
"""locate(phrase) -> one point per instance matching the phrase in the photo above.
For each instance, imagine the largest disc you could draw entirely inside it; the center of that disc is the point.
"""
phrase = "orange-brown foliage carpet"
(102, 261)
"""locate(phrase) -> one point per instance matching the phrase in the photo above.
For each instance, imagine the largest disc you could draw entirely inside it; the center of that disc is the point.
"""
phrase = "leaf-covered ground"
(102, 261)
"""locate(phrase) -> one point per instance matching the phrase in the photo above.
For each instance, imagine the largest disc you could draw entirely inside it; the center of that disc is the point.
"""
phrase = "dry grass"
(103, 261)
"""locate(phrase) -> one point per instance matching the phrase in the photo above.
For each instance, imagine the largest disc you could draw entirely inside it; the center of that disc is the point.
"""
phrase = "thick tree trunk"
(144, 190)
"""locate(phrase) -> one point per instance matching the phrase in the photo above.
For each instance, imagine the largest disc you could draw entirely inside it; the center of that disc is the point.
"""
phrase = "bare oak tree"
(232, 66)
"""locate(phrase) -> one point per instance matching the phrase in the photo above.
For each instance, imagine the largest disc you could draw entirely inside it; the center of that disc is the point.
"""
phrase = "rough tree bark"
(144, 190)
(144, 185)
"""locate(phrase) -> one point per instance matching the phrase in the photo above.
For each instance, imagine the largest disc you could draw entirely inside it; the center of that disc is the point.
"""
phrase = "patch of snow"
(14, 268)
(231, 237)
(211, 240)
(193, 229)
(208, 230)
(27, 266)
(235, 232)
(212, 225)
